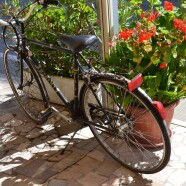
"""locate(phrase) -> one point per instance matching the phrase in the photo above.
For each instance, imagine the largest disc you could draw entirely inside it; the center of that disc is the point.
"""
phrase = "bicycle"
(107, 103)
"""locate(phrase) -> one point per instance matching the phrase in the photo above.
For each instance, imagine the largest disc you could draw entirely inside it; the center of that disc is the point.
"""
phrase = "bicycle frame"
(77, 67)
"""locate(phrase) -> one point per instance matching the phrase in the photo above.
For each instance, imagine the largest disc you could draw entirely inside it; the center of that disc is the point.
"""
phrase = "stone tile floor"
(29, 154)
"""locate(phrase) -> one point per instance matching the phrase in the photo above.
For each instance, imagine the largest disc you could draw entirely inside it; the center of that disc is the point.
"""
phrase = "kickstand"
(63, 151)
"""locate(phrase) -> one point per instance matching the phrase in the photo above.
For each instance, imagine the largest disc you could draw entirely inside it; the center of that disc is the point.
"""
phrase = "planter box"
(66, 85)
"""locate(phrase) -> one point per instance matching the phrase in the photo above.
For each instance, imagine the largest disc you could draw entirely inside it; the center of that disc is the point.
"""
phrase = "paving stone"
(23, 134)
(44, 172)
(43, 137)
(92, 179)
(10, 146)
(79, 151)
(122, 171)
(70, 173)
(8, 138)
(141, 180)
(67, 161)
(6, 117)
(74, 183)
(4, 130)
(18, 140)
(112, 181)
(2, 153)
(61, 142)
(55, 136)
(26, 155)
(23, 146)
(6, 180)
(25, 181)
(97, 155)
(165, 173)
(107, 167)
(37, 141)
(56, 157)
(30, 167)
(25, 127)
(35, 133)
(88, 144)
(88, 162)
(49, 139)
(64, 175)
(50, 132)
(1, 146)
(56, 182)
(40, 148)
(178, 177)
(9, 167)
(15, 122)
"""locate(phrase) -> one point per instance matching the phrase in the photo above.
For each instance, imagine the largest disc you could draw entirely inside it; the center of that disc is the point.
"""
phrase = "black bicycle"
(111, 105)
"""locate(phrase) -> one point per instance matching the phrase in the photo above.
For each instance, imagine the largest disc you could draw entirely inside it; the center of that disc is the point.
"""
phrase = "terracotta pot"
(145, 125)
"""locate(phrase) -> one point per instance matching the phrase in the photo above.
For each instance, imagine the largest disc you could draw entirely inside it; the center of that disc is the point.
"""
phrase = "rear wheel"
(116, 121)
(26, 85)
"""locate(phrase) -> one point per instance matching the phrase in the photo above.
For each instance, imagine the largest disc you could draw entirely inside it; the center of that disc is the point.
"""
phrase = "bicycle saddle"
(77, 43)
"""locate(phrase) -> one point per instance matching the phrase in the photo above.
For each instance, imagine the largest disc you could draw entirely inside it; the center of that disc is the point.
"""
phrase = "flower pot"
(145, 125)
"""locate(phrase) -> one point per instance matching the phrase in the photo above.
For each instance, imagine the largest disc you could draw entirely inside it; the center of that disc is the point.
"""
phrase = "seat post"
(76, 84)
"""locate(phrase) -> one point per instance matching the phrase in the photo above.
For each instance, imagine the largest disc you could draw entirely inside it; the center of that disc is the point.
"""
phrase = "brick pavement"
(29, 154)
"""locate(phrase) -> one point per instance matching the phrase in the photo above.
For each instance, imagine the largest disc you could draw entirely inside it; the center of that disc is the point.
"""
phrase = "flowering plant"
(154, 43)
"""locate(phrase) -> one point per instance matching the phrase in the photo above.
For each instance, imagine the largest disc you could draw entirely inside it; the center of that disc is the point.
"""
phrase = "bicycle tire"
(30, 93)
(114, 123)
(11, 37)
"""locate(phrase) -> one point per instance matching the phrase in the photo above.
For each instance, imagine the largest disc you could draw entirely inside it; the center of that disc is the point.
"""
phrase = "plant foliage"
(153, 42)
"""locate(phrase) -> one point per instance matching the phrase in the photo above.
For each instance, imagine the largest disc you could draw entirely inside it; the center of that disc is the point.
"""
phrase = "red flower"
(157, 14)
(144, 36)
(151, 17)
(178, 23)
(184, 37)
(163, 65)
(142, 15)
(153, 31)
(183, 29)
(125, 34)
(168, 6)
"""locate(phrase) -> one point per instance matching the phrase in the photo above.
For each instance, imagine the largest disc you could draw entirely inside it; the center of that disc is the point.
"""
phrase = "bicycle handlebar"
(40, 2)
(29, 12)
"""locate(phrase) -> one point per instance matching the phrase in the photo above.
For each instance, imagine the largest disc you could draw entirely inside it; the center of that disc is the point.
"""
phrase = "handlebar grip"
(49, 2)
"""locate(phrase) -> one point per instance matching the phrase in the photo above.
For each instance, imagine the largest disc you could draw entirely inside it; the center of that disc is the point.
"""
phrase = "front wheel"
(119, 119)
(26, 85)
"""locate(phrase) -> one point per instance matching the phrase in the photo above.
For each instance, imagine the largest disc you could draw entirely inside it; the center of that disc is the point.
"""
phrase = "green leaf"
(174, 52)
(136, 1)
(155, 60)
(154, 2)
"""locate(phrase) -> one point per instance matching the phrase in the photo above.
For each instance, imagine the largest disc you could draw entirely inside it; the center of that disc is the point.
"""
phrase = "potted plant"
(69, 17)
(153, 43)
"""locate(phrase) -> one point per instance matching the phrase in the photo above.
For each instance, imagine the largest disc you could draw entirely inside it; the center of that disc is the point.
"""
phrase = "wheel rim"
(28, 94)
